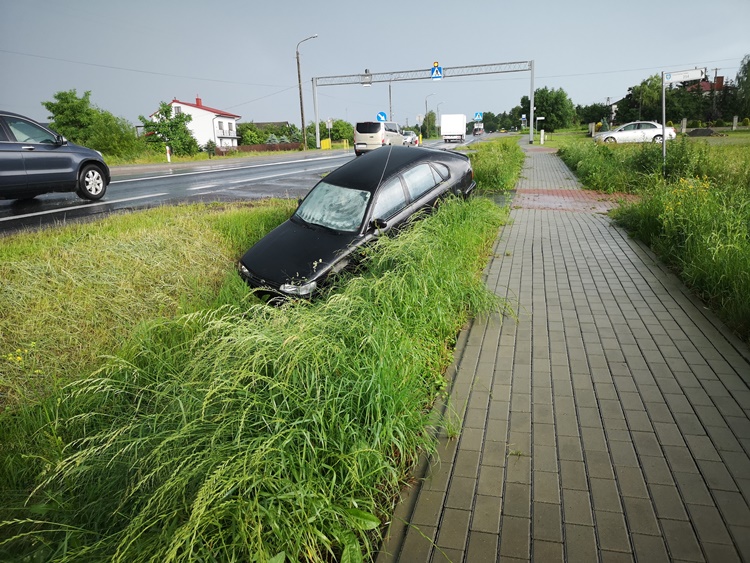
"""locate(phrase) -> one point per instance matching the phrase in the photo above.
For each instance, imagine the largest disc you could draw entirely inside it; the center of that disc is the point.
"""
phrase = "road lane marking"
(201, 172)
(84, 206)
(207, 186)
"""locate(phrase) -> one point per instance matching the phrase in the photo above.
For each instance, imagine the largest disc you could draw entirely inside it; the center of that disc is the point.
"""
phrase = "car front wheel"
(657, 139)
(91, 183)
(610, 140)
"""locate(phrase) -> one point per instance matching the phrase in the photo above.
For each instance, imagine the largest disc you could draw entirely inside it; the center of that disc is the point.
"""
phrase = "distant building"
(705, 87)
(207, 123)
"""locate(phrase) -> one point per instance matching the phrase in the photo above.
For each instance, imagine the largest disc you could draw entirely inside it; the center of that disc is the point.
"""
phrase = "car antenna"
(385, 166)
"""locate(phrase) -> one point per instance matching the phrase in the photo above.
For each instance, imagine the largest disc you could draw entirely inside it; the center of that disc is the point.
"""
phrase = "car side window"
(419, 180)
(630, 127)
(647, 126)
(26, 132)
(3, 134)
(391, 200)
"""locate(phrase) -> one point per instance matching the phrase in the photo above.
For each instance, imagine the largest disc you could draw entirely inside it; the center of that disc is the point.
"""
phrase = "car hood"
(294, 253)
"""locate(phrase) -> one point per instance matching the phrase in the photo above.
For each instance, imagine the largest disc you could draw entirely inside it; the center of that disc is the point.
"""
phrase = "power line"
(138, 70)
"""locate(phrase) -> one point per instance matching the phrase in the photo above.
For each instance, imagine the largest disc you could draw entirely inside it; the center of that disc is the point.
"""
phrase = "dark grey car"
(35, 160)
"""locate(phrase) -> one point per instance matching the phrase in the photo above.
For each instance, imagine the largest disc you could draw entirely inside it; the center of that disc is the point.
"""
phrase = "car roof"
(368, 171)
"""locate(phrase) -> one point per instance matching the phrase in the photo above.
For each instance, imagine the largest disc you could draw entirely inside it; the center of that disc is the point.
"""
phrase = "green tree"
(171, 130)
(554, 105)
(250, 134)
(593, 113)
(429, 127)
(77, 120)
(71, 116)
(743, 88)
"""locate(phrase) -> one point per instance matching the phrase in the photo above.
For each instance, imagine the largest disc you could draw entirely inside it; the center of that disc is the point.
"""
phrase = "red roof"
(199, 105)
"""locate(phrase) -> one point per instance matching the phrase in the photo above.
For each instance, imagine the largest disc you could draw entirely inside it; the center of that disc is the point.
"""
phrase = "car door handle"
(28, 148)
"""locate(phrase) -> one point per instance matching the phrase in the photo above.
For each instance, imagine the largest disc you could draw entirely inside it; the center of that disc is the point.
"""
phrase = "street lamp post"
(425, 112)
(437, 114)
(301, 103)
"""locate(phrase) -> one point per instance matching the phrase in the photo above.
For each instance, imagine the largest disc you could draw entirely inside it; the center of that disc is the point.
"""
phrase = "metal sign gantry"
(367, 78)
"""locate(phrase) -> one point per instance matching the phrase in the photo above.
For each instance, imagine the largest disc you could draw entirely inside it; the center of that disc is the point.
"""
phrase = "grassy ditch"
(697, 217)
(72, 294)
(236, 431)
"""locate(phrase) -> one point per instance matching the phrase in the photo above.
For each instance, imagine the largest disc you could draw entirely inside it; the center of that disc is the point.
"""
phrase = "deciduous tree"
(171, 130)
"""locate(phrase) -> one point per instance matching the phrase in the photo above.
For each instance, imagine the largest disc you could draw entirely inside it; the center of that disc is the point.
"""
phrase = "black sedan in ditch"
(351, 206)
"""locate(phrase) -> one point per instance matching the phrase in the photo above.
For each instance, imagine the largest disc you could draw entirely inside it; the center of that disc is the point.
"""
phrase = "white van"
(370, 135)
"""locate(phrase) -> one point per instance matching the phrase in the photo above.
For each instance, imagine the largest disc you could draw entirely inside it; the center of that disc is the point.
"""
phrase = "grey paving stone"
(546, 522)
(681, 540)
(573, 475)
(482, 546)
(546, 487)
(667, 501)
(548, 551)
(517, 500)
(461, 492)
(486, 514)
(612, 532)
(656, 470)
(490, 481)
(605, 495)
(733, 507)
(454, 528)
(649, 549)
(641, 516)
(418, 544)
(708, 524)
(580, 543)
(577, 507)
(515, 537)
(631, 481)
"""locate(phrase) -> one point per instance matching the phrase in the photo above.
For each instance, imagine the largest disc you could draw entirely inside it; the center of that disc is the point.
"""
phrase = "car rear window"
(368, 127)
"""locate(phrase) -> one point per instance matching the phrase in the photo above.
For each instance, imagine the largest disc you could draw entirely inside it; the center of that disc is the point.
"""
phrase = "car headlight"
(243, 270)
(303, 290)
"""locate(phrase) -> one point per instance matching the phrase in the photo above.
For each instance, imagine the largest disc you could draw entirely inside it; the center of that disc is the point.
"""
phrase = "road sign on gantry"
(478, 116)
(382, 116)
(437, 71)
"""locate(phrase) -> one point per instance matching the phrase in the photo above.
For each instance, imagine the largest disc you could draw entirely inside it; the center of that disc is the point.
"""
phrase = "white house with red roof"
(209, 124)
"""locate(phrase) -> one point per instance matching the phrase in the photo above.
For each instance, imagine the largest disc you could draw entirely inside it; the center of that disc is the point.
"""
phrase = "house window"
(231, 126)
(177, 110)
(221, 126)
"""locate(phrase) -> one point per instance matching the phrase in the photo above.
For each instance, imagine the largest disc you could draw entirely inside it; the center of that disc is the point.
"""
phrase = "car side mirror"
(378, 224)
(60, 140)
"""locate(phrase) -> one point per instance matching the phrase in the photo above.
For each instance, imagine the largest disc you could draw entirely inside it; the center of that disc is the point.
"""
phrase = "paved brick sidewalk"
(611, 422)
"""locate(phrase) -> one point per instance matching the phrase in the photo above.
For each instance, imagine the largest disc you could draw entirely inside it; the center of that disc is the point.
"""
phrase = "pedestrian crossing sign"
(437, 72)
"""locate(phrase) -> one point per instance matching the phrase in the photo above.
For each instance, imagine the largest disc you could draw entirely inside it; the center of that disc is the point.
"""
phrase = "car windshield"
(334, 207)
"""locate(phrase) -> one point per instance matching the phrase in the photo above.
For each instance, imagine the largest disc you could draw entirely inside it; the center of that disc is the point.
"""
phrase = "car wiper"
(326, 228)
(297, 218)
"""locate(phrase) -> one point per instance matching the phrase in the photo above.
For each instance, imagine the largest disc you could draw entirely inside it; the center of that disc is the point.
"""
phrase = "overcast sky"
(239, 56)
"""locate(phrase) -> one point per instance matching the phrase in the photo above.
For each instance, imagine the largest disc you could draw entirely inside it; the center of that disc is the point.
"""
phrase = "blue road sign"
(437, 73)
(477, 116)
(382, 116)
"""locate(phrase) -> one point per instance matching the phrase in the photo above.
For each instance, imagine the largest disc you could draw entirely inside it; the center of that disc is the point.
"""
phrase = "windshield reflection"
(334, 207)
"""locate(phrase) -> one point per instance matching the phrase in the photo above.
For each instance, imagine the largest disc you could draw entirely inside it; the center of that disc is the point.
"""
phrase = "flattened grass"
(239, 432)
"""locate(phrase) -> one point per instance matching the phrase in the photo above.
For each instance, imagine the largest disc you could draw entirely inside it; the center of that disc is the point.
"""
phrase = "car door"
(12, 170)
(647, 131)
(628, 133)
(50, 164)
(424, 186)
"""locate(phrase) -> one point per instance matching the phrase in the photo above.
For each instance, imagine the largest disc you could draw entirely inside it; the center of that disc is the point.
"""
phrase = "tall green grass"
(497, 164)
(696, 216)
(249, 433)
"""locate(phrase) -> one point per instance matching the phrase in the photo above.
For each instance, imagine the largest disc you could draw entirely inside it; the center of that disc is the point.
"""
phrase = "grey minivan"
(35, 160)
